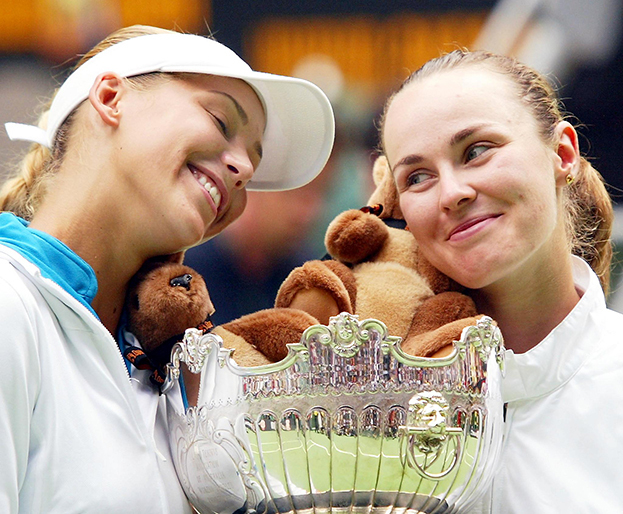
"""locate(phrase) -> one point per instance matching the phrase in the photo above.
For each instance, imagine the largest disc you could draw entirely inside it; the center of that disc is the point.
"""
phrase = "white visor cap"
(300, 127)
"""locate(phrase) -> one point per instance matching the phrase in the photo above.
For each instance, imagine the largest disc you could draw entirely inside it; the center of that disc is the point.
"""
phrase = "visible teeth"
(215, 194)
(209, 187)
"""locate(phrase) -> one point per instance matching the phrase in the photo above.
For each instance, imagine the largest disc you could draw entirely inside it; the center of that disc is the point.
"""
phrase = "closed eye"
(222, 125)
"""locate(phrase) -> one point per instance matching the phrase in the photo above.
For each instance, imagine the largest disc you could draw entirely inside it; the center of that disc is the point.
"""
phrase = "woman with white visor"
(148, 148)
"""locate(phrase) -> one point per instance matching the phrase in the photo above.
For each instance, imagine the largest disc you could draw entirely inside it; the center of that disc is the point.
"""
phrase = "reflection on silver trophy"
(346, 423)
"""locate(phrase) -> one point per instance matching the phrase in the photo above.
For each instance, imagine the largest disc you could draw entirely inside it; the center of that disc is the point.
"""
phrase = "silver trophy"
(346, 423)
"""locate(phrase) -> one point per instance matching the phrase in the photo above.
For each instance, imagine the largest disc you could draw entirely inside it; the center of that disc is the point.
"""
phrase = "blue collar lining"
(56, 260)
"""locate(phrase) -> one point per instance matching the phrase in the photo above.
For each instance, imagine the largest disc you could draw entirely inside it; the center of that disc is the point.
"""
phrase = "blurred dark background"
(358, 51)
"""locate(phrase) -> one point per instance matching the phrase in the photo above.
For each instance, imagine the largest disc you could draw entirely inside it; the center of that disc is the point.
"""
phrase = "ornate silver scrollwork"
(192, 350)
(344, 335)
(486, 337)
(204, 443)
(427, 434)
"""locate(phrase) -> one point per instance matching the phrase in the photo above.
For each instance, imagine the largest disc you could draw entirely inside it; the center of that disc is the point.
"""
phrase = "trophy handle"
(192, 350)
(427, 435)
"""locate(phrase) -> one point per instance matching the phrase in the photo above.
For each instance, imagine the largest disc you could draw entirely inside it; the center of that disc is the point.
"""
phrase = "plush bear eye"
(181, 281)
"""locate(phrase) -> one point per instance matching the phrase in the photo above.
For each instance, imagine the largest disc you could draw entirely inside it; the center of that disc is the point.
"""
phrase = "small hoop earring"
(570, 178)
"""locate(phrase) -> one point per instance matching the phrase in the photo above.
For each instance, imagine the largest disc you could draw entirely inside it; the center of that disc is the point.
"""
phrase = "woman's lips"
(472, 226)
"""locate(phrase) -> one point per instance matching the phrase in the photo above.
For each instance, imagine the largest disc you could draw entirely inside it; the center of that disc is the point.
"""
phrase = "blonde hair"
(588, 207)
(23, 191)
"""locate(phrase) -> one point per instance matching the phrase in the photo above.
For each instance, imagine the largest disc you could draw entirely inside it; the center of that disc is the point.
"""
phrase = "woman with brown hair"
(147, 149)
(494, 189)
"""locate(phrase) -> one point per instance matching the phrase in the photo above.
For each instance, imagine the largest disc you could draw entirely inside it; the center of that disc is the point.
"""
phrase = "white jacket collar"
(552, 362)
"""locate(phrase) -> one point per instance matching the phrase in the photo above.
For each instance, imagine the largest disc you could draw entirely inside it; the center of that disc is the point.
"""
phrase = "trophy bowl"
(347, 422)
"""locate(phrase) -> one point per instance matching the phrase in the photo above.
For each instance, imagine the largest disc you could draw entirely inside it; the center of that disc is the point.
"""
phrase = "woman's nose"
(456, 191)
(239, 164)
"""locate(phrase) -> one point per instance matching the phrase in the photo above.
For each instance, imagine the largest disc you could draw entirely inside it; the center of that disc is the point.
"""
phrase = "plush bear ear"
(385, 193)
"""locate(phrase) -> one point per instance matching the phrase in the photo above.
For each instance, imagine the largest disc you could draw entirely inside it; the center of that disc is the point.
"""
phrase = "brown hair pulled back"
(588, 207)
(22, 192)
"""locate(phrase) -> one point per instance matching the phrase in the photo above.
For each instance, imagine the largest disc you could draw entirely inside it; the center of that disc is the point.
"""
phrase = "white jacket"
(77, 435)
(563, 448)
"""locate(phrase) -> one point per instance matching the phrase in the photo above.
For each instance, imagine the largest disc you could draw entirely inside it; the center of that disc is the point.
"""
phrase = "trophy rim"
(203, 343)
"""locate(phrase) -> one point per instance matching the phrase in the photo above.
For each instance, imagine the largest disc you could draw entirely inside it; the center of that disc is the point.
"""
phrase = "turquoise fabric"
(55, 259)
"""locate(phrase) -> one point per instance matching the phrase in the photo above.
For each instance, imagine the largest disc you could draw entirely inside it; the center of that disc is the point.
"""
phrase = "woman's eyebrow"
(465, 133)
(239, 109)
(409, 160)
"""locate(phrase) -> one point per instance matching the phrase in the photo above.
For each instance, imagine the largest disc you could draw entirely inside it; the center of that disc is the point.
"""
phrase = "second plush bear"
(378, 272)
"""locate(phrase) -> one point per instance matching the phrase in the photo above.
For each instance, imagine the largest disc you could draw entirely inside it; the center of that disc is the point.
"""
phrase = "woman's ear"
(105, 96)
(568, 153)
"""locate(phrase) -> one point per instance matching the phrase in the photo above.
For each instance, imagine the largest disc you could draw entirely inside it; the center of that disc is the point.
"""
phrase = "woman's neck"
(529, 306)
(91, 228)
(101, 251)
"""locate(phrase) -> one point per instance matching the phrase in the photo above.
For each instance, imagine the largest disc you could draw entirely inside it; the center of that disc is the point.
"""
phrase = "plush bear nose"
(182, 280)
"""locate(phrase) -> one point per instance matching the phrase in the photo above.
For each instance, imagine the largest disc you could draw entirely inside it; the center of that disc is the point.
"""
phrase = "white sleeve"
(19, 386)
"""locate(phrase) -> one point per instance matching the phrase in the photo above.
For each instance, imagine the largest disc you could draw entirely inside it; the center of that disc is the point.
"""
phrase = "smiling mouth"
(464, 229)
(205, 182)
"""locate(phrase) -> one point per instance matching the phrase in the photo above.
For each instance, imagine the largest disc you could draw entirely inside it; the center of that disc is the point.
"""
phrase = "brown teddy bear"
(378, 272)
(163, 300)
(166, 298)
